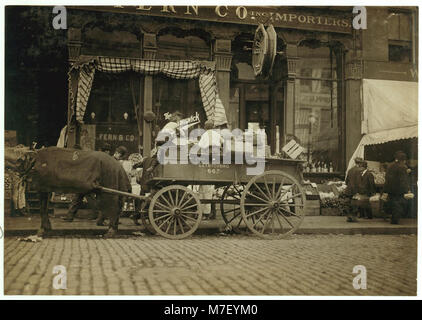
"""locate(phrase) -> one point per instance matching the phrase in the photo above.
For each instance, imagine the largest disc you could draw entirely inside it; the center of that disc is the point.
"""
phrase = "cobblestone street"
(213, 265)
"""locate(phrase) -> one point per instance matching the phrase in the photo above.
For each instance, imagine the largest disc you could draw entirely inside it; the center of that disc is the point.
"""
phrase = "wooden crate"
(313, 208)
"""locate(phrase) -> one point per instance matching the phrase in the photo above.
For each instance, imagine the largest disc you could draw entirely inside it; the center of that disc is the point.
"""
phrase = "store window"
(112, 97)
(316, 109)
(177, 95)
(399, 37)
(110, 114)
(170, 94)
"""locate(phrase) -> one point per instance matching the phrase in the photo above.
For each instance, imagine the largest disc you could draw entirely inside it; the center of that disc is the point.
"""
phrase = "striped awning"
(203, 70)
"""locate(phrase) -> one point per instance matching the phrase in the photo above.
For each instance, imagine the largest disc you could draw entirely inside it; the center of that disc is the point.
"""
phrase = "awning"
(390, 113)
(81, 77)
(382, 137)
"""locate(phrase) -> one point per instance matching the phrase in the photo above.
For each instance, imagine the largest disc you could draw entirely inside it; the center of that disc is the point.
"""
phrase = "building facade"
(313, 93)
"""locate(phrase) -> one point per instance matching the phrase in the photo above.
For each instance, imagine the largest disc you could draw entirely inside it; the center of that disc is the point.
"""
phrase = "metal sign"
(272, 47)
(259, 50)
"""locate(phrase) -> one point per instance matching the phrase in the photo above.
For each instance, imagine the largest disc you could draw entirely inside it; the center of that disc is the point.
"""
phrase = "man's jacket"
(396, 180)
(352, 180)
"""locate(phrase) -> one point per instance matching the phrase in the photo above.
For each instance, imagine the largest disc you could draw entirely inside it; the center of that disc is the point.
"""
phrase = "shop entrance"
(261, 106)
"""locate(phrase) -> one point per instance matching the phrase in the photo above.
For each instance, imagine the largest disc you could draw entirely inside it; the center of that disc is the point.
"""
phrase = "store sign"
(117, 135)
(285, 17)
(194, 119)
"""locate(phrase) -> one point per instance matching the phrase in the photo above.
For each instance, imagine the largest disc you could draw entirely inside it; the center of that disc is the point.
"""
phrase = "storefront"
(198, 60)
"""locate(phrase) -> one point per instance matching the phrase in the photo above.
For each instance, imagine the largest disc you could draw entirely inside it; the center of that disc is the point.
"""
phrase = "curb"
(216, 230)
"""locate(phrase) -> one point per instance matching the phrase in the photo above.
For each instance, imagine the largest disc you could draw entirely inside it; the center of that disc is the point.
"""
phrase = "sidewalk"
(23, 226)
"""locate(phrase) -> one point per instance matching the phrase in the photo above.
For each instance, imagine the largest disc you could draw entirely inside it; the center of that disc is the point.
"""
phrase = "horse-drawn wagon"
(271, 204)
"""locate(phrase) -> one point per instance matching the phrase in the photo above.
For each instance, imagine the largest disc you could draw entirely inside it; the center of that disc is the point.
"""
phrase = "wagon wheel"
(175, 212)
(231, 212)
(273, 204)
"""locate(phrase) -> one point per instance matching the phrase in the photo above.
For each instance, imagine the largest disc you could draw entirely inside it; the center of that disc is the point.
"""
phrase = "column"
(223, 57)
(74, 45)
(149, 52)
(289, 115)
(353, 109)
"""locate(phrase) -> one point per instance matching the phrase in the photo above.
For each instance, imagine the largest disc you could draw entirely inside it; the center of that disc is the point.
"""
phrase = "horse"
(70, 170)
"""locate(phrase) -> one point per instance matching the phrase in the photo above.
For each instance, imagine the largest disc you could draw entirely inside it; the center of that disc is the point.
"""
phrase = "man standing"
(396, 185)
(352, 182)
(366, 189)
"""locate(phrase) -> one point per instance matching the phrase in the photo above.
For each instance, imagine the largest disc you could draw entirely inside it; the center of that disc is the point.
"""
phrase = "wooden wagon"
(271, 204)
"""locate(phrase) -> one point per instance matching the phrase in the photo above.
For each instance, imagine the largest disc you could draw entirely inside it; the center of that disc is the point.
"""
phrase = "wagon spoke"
(285, 218)
(279, 222)
(291, 213)
(169, 224)
(266, 220)
(255, 196)
(165, 199)
(291, 197)
(256, 212)
(273, 189)
(234, 217)
(272, 223)
(231, 210)
(259, 219)
(187, 201)
(181, 225)
(163, 206)
(238, 191)
(191, 206)
(171, 197)
(174, 226)
(187, 217)
(256, 204)
(181, 200)
(279, 188)
(238, 224)
(266, 187)
(262, 192)
(160, 211)
(163, 216)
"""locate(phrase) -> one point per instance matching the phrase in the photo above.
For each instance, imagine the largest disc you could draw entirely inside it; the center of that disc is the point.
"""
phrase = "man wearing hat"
(120, 153)
(366, 189)
(396, 186)
(352, 181)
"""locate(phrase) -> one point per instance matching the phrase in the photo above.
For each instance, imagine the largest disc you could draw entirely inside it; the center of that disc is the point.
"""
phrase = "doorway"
(261, 106)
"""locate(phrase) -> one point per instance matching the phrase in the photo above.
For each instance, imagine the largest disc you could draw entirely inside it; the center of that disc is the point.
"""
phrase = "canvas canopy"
(82, 72)
(390, 112)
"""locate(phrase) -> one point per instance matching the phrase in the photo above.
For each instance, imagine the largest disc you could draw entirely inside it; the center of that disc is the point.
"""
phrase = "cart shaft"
(122, 193)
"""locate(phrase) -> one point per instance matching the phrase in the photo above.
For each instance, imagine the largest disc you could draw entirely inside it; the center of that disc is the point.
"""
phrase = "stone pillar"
(289, 113)
(353, 109)
(149, 52)
(74, 45)
(223, 58)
